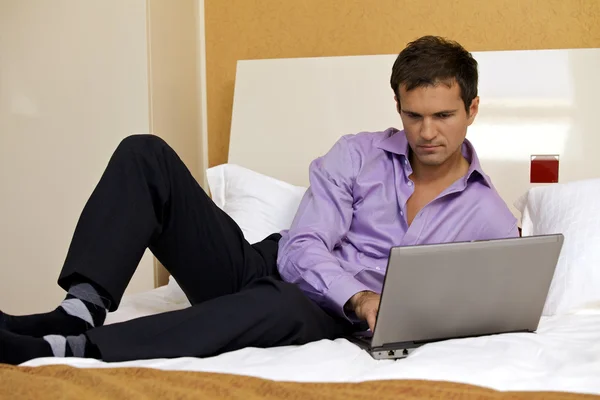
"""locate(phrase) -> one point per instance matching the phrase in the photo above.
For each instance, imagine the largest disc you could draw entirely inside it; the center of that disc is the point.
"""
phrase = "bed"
(264, 182)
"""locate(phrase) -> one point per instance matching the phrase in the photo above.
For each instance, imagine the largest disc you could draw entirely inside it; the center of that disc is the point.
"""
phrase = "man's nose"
(427, 129)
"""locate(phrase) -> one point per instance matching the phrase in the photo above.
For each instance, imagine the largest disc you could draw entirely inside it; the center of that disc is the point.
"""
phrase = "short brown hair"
(431, 60)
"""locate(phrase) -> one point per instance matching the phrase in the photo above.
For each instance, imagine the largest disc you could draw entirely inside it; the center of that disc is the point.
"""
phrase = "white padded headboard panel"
(286, 112)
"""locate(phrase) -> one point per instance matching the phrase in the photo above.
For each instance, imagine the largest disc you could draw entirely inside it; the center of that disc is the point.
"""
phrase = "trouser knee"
(141, 144)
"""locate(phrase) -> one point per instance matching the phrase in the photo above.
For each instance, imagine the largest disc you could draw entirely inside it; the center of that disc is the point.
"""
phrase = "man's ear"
(473, 110)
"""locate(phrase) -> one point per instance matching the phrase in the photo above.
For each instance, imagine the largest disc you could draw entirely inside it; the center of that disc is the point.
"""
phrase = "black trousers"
(147, 198)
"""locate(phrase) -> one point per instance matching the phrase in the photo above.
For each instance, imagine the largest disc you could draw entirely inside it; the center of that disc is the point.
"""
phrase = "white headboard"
(286, 112)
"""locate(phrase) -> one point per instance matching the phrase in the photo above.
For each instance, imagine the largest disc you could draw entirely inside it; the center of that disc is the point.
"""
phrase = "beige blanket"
(64, 382)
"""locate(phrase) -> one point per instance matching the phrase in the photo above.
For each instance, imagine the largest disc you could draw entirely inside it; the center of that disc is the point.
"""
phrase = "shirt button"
(405, 161)
(402, 213)
(409, 183)
(378, 269)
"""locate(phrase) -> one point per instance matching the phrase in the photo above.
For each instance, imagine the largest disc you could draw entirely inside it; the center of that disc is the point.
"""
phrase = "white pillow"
(259, 204)
(572, 209)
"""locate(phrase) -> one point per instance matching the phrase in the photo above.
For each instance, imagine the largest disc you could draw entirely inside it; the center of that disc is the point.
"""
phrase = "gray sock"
(84, 302)
(67, 346)
(85, 307)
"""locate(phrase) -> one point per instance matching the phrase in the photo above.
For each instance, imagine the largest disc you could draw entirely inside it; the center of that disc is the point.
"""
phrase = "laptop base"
(395, 352)
(381, 354)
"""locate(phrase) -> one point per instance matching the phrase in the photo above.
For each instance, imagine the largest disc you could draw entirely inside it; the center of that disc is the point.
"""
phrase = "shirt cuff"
(340, 291)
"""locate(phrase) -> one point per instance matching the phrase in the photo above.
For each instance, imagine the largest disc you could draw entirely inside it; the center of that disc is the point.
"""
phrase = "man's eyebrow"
(446, 111)
(409, 112)
(436, 113)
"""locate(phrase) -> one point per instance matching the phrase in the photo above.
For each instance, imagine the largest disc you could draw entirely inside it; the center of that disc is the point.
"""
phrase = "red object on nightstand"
(544, 169)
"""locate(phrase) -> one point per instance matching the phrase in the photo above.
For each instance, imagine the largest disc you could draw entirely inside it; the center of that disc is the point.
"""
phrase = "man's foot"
(82, 309)
(16, 349)
(38, 325)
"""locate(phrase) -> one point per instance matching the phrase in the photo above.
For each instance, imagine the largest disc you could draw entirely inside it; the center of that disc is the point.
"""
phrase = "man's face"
(435, 121)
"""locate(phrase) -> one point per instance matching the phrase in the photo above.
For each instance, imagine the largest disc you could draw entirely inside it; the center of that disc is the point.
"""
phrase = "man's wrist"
(352, 301)
(355, 300)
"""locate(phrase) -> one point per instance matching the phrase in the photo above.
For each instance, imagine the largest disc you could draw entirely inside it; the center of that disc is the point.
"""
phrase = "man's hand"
(365, 306)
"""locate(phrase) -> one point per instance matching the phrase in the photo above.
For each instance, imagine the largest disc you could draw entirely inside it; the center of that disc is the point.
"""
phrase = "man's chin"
(431, 160)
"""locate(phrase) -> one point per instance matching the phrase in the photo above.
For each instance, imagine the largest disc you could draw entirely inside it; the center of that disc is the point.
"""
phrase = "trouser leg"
(266, 313)
(147, 198)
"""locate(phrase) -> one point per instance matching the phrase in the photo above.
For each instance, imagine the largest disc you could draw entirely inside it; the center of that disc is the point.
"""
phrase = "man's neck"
(452, 169)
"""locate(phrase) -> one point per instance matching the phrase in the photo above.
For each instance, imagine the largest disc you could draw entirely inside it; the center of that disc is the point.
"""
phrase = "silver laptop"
(456, 290)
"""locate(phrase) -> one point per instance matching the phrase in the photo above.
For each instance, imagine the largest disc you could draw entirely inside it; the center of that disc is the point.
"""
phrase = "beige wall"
(75, 78)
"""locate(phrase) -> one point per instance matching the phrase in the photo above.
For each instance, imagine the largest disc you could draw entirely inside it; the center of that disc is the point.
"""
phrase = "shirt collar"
(395, 142)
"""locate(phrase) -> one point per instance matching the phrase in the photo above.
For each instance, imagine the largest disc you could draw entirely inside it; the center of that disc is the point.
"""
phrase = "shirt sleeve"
(506, 227)
(323, 219)
(513, 232)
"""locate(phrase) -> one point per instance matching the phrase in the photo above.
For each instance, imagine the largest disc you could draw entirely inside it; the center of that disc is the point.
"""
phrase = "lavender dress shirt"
(355, 210)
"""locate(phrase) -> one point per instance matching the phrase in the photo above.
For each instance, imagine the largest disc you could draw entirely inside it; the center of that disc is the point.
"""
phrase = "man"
(320, 279)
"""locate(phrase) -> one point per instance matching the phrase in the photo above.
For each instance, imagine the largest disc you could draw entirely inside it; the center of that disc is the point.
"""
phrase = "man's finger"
(371, 322)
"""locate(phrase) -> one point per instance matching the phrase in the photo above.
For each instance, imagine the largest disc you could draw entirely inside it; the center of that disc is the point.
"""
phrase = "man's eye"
(444, 115)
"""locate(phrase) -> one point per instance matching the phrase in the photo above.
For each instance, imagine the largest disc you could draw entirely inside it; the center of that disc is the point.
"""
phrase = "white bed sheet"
(563, 356)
